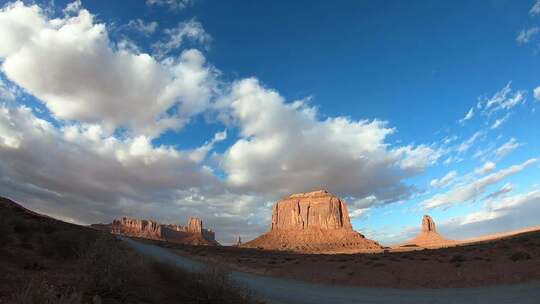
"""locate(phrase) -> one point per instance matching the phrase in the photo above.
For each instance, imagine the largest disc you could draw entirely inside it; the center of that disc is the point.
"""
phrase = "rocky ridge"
(193, 233)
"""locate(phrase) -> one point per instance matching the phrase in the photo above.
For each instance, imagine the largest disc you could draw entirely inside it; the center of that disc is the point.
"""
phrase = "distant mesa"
(192, 234)
(428, 237)
(312, 222)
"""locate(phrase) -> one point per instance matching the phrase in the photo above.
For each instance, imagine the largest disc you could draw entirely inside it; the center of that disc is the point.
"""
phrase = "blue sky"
(365, 98)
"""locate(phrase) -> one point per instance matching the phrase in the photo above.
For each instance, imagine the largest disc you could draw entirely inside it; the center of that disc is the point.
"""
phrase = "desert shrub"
(520, 256)
(212, 285)
(37, 292)
(458, 258)
(109, 269)
(63, 244)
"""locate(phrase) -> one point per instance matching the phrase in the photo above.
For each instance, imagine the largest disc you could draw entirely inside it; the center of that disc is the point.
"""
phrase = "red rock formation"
(193, 234)
(428, 225)
(194, 225)
(428, 237)
(317, 209)
(142, 228)
(312, 222)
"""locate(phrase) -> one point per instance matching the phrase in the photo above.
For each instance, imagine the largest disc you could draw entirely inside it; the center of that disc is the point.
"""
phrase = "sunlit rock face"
(318, 209)
(428, 237)
(193, 234)
(428, 225)
(312, 222)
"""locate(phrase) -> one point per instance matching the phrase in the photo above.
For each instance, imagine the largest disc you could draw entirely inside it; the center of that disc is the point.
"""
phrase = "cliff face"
(318, 209)
(193, 234)
(428, 225)
(313, 222)
(141, 228)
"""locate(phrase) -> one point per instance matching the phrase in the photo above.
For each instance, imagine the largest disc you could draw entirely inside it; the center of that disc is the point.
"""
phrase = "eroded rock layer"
(313, 222)
(193, 234)
(318, 209)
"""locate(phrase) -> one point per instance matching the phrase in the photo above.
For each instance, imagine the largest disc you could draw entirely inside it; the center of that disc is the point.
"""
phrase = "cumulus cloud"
(537, 93)
(80, 173)
(472, 190)
(72, 7)
(525, 36)
(76, 71)
(175, 37)
(444, 181)
(285, 148)
(171, 4)
(76, 167)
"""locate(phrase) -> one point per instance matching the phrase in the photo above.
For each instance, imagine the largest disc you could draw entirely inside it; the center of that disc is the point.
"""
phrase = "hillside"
(46, 261)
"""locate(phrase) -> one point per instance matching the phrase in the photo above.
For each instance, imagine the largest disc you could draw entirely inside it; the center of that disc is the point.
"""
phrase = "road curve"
(278, 290)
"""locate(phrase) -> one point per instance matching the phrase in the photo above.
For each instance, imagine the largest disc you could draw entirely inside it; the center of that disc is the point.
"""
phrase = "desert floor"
(514, 259)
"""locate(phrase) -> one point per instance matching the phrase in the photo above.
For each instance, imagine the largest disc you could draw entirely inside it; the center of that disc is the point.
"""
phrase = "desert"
(269, 151)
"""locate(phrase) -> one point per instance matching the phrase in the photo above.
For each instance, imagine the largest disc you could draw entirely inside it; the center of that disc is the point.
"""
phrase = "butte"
(312, 222)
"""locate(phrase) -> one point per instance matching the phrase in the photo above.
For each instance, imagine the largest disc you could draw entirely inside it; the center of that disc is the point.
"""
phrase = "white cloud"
(448, 140)
(507, 148)
(81, 173)
(472, 190)
(192, 30)
(171, 4)
(504, 99)
(468, 116)
(72, 67)
(525, 36)
(444, 181)
(500, 215)
(72, 7)
(537, 93)
(499, 122)
(507, 188)
(146, 28)
(284, 148)
(486, 168)
(535, 10)
(466, 145)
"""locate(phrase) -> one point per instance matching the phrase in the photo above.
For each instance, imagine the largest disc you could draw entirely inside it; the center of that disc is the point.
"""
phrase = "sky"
(168, 109)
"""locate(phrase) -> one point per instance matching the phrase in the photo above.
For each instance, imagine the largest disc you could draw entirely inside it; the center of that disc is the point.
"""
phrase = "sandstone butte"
(313, 222)
(193, 233)
(428, 237)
